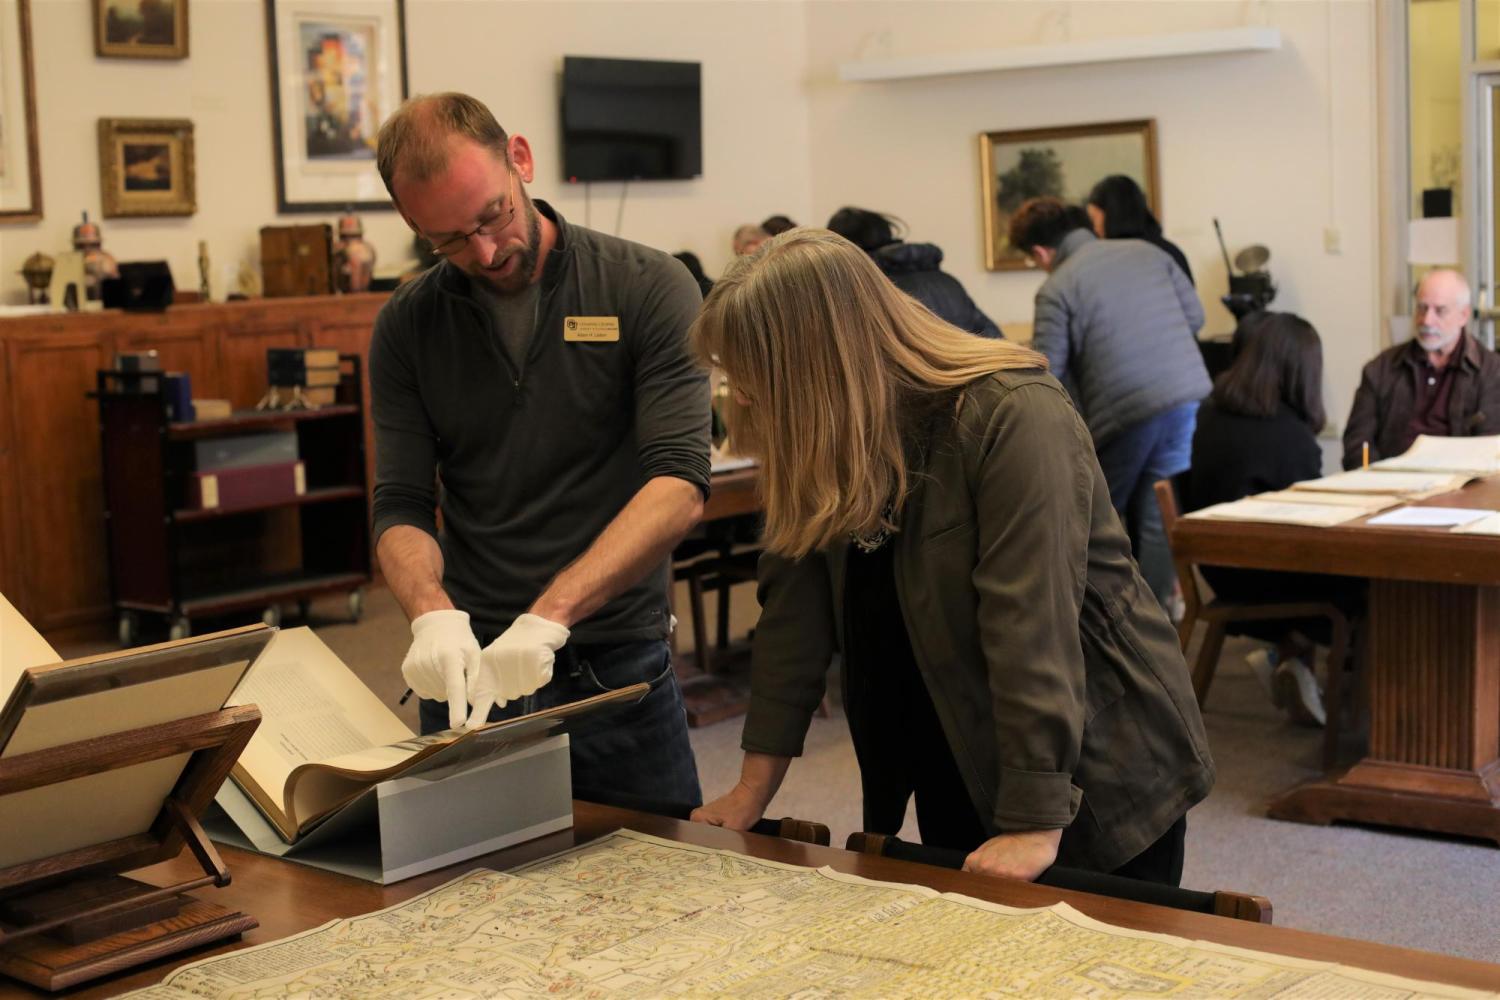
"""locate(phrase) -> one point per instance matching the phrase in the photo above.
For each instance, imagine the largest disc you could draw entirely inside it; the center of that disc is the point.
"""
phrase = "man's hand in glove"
(514, 665)
(443, 658)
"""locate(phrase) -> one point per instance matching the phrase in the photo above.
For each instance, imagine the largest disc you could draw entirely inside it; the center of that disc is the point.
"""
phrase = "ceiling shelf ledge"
(1126, 49)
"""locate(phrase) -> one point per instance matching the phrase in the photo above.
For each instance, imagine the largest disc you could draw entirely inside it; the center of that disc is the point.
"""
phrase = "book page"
(21, 646)
(312, 708)
(1479, 456)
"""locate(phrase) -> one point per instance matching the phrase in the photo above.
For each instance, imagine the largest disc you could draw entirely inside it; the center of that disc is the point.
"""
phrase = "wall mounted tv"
(631, 119)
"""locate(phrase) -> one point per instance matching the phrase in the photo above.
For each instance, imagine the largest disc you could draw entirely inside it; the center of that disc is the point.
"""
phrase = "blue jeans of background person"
(620, 755)
(1158, 447)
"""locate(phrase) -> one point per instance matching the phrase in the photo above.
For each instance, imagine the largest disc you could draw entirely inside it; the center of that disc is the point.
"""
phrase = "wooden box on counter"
(296, 260)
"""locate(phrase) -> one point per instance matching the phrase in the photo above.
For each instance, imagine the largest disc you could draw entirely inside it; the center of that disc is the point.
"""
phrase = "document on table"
(1429, 517)
(1367, 502)
(1250, 509)
(1488, 525)
(1411, 485)
(1478, 456)
(632, 915)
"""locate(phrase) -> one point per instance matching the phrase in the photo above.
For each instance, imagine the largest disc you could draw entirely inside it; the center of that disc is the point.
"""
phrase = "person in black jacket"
(913, 268)
(1118, 209)
(1257, 433)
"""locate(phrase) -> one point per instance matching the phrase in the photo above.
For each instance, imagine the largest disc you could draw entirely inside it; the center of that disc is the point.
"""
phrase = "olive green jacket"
(1056, 676)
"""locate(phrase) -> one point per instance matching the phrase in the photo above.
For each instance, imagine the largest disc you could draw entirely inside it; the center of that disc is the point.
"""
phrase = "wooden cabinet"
(53, 556)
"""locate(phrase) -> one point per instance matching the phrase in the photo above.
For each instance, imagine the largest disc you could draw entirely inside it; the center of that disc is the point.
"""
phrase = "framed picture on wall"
(141, 29)
(338, 69)
(1066, 162)
(146, 167)
(20, 162)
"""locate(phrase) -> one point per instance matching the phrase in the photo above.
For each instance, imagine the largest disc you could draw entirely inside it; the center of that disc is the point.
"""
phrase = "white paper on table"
(1321, 515)
(1489, 525)
(1429, 517)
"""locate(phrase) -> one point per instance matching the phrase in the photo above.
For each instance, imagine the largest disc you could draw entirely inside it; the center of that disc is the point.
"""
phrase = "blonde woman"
(935, 513)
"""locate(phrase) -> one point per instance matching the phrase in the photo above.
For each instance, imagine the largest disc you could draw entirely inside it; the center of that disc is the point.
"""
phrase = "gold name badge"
(591, 329)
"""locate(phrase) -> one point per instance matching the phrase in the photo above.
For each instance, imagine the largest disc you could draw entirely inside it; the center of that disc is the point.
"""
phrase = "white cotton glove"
(516, 664)
(443, 654)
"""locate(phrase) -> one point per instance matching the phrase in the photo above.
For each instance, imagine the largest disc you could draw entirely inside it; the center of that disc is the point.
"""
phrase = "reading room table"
(1431, 661)
(287, 898)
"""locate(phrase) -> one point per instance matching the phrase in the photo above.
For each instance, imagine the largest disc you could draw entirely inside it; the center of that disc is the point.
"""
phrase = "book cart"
(173, 557)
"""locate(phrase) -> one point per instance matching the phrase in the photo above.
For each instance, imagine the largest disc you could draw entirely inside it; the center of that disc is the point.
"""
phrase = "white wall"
(1281, 146)
(1278, 145)
(507, 53)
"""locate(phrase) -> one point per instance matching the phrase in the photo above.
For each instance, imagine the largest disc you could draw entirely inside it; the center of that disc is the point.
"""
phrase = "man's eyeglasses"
(488, 227)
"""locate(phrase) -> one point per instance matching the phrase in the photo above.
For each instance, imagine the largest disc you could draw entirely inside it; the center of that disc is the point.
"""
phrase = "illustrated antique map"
(634, 916)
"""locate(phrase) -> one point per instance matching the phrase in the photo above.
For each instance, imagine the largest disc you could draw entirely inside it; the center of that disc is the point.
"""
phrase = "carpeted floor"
(1433, 893)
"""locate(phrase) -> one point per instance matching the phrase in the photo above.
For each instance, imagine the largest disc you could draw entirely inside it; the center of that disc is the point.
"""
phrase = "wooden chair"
(716, 569)
(1236, 905)
(1220, 615)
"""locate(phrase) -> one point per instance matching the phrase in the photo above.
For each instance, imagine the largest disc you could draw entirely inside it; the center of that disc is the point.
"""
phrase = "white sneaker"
(1297, 692)
(1262, 663)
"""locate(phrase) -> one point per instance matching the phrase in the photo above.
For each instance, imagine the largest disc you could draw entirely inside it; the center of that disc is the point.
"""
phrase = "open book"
(1407, 485)
(1476, 456)
(325, 738)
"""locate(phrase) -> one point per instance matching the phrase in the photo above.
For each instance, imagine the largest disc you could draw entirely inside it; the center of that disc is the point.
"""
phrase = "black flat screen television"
(631, 119)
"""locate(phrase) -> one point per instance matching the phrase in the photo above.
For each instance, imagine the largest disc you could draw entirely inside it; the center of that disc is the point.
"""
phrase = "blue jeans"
(622, 755)
(1158, 447)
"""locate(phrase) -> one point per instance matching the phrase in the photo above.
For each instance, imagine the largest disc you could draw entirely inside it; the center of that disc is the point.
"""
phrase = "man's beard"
(518, 279)
(1434, 339)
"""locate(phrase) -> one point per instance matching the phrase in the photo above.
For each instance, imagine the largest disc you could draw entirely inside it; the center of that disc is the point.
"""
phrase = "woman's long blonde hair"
(833, 360)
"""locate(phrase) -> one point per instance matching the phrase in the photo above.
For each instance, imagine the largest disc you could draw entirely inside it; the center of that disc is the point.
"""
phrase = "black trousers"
(945, 814)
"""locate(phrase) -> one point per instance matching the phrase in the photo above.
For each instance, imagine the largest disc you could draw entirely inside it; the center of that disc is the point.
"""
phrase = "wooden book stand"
(71, 916)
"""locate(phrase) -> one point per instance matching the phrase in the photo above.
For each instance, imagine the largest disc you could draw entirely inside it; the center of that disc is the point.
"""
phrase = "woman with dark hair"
(777, 224)
(1118, 209)
(1256, 433)
(913, 268)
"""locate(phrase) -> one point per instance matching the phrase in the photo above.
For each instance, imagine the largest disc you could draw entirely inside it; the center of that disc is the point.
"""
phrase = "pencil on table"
(1367, 455)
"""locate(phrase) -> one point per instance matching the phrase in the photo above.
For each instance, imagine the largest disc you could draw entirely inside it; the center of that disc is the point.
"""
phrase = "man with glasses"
(1442, 382)
(540, 374)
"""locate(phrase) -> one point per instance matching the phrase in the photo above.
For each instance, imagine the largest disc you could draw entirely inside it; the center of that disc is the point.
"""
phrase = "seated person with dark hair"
(1257, 433)
(777, 224)
(913, 268)
(1443, 382)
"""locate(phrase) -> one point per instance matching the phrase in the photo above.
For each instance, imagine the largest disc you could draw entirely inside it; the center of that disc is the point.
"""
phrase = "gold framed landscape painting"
(1065, 162)
(338, 70)
(146, 167)
(141, 29)
(20, 163)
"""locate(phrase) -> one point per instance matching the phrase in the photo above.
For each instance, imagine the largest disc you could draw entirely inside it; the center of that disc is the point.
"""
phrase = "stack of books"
(312, 372)
(245, 470)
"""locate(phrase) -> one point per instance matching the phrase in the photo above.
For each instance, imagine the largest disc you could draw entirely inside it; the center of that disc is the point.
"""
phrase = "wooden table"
(731, 494)
(1432, 663)
(288, 898)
